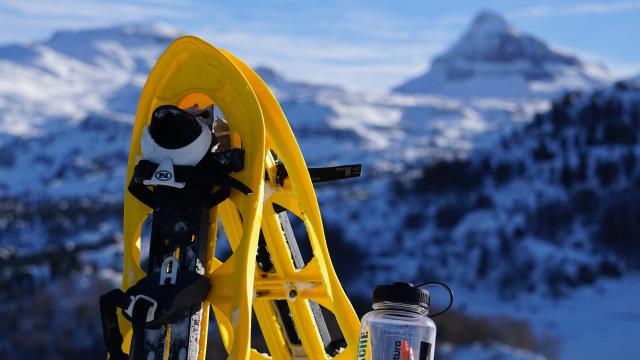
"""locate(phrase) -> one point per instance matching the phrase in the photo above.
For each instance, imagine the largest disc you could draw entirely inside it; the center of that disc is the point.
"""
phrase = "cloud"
(618, 68)
(363, 50)
(26, 21)
(353, 64)
(93, 9)
(453, 19)
(577, 9)
(355, 49)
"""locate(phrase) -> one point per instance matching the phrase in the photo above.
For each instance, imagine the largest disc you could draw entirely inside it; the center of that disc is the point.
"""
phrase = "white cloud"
(619, 69)
(371, 64)
(26, 21)
(453, 19)
(358, 50)
(577, 9)
(355, 49)
(112, 10)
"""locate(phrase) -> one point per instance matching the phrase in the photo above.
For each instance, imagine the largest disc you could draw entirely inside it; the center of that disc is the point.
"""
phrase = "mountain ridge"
(492, 58)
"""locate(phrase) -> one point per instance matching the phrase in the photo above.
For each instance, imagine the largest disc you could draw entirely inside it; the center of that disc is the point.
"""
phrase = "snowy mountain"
(535, 223)
(555, 196)
(73, 74)
(75, 96)
(494, 194)
(494, 59)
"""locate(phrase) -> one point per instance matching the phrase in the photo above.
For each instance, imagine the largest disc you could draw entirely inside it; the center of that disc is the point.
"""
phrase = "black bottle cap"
(401, 292)
(173, 128)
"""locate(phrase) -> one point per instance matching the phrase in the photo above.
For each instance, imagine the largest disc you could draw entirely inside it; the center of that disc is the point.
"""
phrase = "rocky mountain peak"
(493, 58)
(490, 38)
(487, 20)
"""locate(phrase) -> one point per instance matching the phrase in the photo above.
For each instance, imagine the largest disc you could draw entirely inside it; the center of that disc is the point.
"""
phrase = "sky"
(361, 45)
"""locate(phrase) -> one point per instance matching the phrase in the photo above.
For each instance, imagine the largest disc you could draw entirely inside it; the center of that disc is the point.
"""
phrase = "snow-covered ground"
(487, 352)
(596, 322)
(67, 105)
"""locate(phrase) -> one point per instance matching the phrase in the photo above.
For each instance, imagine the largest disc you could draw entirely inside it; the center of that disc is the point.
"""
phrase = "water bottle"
(399, 327)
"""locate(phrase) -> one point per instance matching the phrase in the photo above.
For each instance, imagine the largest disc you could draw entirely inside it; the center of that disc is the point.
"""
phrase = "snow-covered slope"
(67, 103)
(51, 84)
(494, 59)
(543, 208)
(543, 218)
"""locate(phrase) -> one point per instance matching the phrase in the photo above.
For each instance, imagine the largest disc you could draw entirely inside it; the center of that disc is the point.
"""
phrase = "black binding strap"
(200, 175)
(322, 174)
(171, 301)
(334, 173)
(109, 303)
(142, 193)
(219, 196)
(212, 170)
(138, 321)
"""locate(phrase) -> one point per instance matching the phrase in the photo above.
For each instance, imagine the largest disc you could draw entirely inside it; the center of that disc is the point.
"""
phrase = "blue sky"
(366, 44)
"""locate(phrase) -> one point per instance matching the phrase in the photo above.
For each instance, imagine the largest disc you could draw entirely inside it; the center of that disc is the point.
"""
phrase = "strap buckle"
(151, 312)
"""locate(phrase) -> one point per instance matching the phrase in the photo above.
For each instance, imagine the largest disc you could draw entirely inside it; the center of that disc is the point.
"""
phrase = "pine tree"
(566, 174)
(583, 167)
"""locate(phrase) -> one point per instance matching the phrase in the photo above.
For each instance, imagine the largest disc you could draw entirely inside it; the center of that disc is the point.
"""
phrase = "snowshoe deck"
(191, 66)
(288, 294)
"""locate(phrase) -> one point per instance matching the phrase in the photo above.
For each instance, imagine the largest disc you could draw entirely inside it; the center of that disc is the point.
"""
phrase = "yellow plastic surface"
(192, 72)
(317, 280)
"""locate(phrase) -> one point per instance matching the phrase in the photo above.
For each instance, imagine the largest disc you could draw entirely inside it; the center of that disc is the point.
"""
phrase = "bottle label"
(398, 347)
(425, 350)
(362, 345)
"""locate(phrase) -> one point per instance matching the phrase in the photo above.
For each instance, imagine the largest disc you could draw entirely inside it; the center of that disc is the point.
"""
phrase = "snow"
(596, 322)
(484, 352)
(66, 108)
(74, 74)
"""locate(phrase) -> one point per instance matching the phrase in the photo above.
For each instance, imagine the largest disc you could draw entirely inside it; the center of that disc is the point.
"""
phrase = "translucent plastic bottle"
(398, 327)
